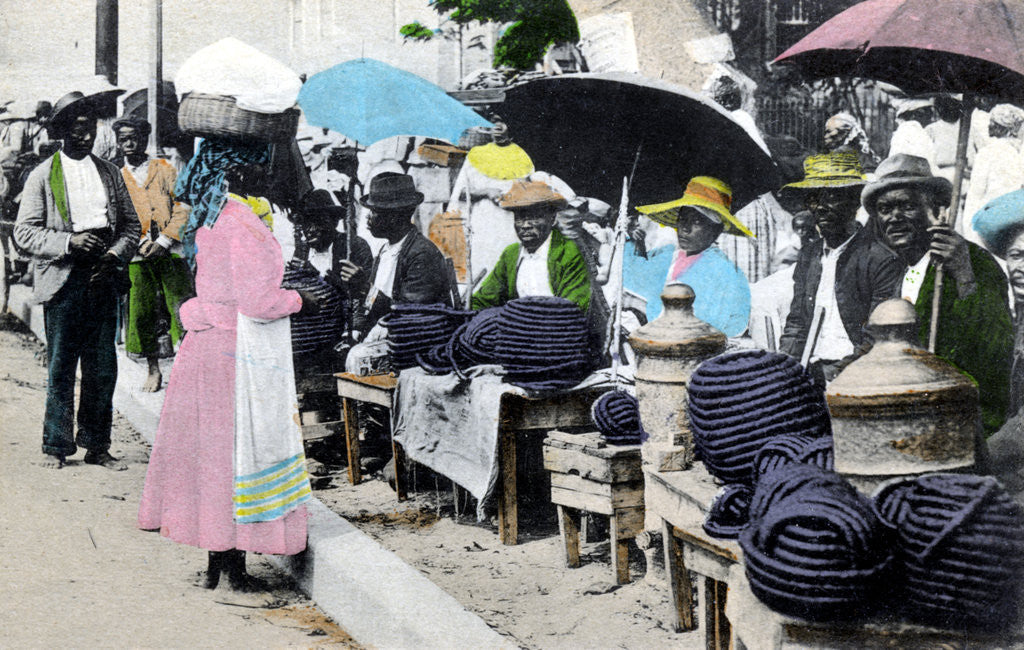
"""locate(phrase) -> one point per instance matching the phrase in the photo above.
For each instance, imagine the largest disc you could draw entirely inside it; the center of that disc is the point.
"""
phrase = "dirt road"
(75, 571)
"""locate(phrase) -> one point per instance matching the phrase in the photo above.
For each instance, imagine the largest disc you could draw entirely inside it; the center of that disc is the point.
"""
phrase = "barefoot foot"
(50, 461)
(154, 380)
(104, 459)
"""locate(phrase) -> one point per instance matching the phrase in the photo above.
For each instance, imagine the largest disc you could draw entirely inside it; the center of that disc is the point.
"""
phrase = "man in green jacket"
(975, 330)
(543, 263)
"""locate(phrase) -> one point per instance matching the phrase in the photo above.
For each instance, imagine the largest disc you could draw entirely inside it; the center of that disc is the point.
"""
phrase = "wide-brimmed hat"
(833, 169)
(904, 170)
(532, 194)
(318, 203)
(910, 104)
(701, 192)
(390, 190)
(1000, 221)
(68, 107)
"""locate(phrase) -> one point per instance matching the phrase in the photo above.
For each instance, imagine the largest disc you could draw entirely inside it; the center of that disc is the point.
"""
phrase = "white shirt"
(532, 273)
(833, 341)
(321, 260)
(87, 197)
(914, 278)
(387, 264)
(139, 173)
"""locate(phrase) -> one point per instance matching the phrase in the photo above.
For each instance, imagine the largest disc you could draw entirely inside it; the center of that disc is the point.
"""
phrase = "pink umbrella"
(924, 46)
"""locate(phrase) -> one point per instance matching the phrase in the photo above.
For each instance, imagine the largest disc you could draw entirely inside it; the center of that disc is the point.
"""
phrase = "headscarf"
(1009, 116)
(856, 137)
(201, 183)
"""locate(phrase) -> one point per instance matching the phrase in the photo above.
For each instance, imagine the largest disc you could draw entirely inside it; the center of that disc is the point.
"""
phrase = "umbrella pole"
(618, 251)
(468, 234)
(958, 178)
(350, 226)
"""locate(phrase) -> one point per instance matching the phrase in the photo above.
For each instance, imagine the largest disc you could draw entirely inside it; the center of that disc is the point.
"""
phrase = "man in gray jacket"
(78, 223)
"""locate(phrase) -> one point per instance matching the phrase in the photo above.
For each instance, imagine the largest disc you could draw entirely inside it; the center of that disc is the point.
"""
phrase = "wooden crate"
(589, 476)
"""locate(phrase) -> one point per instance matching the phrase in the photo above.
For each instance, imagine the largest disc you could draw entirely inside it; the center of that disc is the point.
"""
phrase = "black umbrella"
(587, 129)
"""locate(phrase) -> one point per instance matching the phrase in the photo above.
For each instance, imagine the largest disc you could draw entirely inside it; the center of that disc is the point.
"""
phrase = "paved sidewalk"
(75, 571)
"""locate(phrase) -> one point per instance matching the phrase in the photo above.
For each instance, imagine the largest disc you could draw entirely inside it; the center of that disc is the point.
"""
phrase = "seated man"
(544, 262)
(840, 278)
(975, 330)
(408, 269)
(699, 217)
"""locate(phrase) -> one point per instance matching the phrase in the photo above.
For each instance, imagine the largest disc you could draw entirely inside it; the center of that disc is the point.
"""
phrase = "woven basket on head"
(219, 116)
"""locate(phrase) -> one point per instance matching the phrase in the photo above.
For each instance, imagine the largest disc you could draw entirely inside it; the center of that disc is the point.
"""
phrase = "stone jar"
(900, 410)
(668, 350)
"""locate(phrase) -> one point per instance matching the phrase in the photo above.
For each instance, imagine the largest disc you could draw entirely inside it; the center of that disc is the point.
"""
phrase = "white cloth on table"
(86, 194)
(532, 275)
(451, 424)
(833, 342)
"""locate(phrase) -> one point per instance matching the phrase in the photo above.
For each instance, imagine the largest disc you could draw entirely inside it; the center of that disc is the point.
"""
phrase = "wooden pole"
(153, 94)
(106, 39)
(958, 178)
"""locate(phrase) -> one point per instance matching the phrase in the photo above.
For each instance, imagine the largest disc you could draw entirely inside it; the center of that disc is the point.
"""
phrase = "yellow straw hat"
(835, 169)
(704, 192)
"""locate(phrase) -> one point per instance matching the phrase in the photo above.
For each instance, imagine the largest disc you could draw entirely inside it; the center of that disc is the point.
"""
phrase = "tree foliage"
(536, 24)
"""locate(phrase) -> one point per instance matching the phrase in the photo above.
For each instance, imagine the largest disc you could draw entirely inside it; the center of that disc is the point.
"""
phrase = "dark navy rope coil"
(959, 549)
(415, 329)
(740, 401)
(815, 548)
(795, 448)
(729, 511)
(617, 416)
(310, 333)
(543, 343)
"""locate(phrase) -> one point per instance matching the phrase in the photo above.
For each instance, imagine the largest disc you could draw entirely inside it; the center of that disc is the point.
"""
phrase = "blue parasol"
(367, 100)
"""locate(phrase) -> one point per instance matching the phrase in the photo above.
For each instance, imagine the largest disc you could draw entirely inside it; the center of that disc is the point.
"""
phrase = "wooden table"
(681, 500)
(519, 415)
(588, 475)
(373, 389)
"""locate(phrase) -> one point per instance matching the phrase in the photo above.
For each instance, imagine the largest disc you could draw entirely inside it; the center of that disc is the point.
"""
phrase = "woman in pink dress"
(190, 482)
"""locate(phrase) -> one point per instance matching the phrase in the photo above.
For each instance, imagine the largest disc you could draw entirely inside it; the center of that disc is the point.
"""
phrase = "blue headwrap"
(201, 183)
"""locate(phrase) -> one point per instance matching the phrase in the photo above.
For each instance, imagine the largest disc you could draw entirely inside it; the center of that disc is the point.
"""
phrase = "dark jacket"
(421, 276)
(867, 273)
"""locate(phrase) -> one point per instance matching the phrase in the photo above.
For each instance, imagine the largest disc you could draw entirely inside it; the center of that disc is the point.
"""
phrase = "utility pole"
(153, 98)
(106, 39)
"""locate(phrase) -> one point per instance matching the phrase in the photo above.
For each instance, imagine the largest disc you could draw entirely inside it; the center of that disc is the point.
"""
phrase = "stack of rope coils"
(414, 329)
(959, 549)
(316, 331)
(814, 548)
(740, 401)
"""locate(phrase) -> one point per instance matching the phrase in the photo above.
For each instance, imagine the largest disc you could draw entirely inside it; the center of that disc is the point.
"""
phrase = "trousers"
(81, 324)
(173, 277)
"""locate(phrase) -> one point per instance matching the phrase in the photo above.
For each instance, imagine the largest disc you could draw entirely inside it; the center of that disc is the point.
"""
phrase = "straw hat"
(67, 108)
(834, 169)
(532, 194)
(701, 192)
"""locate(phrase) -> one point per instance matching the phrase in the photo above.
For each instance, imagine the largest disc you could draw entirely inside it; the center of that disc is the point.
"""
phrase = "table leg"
(619, 548)
(569, 527)
(508, 515)
(399, 455)
(716, 625)
(678, 580)
(352, 441)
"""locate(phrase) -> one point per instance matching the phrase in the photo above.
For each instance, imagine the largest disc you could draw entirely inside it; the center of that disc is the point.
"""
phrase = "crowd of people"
(203, 249)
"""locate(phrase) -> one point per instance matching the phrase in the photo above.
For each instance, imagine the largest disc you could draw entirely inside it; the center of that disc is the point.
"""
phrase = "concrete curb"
(379, 599)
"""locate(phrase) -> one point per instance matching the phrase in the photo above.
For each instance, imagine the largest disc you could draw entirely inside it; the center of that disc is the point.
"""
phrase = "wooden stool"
(589, 476)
